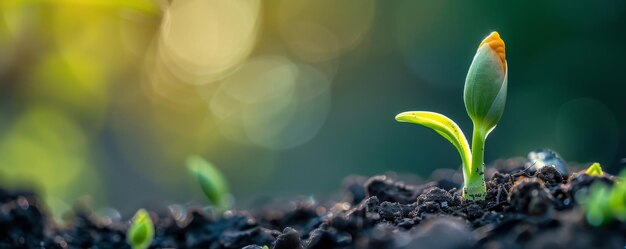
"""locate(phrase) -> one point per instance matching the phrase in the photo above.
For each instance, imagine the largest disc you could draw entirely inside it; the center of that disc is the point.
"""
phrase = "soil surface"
(525, 207)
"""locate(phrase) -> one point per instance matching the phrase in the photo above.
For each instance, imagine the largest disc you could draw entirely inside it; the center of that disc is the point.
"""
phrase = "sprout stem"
(475, 188)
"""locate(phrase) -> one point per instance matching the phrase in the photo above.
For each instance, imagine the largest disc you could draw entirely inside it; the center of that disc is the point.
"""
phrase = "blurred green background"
(287, 97)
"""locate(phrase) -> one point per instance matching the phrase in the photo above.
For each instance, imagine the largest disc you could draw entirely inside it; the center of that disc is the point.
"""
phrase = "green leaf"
(617, 198)
(604, 204)
(486, 83)
(445, 127)
(141, 231)
(596, 206)
(211, 180)
(594, 170)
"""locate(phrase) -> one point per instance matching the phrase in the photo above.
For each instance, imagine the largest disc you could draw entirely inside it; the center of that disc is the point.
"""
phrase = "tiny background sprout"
(617, 198)
(211, 180)
(597, 210)
(605, 204)
(141, 231)
(595, 170)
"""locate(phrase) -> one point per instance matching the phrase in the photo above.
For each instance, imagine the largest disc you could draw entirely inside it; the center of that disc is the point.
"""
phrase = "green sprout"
(141, 232)
(485, 97)
(605, 204)
(211, 180)
(597, 210)
(617, 198)
(595, 170)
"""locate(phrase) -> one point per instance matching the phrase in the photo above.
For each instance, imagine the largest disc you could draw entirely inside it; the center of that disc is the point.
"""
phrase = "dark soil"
(524, 208)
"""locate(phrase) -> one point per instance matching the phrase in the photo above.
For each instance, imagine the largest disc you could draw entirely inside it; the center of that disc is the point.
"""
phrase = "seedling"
(617, 198)
(604, 204)
(485, 97)
(211, 180)
(594, 170)
(141, 232)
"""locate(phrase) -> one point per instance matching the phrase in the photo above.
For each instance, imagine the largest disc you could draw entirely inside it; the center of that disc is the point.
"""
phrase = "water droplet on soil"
(544, 157)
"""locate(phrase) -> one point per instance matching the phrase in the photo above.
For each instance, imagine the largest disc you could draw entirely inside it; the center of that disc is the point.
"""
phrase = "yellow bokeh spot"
(46, 148)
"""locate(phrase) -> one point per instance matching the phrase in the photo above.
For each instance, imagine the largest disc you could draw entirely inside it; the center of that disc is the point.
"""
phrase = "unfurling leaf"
(444, 126)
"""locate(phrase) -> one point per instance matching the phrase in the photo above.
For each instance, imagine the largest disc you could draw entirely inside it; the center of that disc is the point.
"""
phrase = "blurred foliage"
(211, 181)
(604, 204)
(141, 231)
(109, 97)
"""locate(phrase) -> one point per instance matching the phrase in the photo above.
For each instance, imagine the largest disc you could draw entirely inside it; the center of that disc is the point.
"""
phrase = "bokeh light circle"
(320, 30)
(201, 40)
(45, 146)
(272, 102)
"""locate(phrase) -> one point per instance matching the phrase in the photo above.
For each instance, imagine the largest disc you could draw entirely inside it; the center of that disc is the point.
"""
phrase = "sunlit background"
(107, 98)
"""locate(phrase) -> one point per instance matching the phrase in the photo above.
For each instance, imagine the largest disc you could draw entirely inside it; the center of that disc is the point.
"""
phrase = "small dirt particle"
(239, 239)
(388, 190)
(549, 175)
(406, 223)
(474, 211)
(442, 232)
(390, 211)
(290, 239)
(325, 237)
(530, 196)
(428, 207)
(435, 194)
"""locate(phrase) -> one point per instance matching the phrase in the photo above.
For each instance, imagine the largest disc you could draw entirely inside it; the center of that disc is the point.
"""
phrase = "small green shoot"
(617, 198)
(485, 97)
(141, 231)
(211, 180)
(265, 247)
(595, 170)
(604, 204)
(596, 207)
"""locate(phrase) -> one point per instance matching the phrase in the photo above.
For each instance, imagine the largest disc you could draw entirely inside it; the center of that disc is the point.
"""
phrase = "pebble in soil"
(544, 157)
